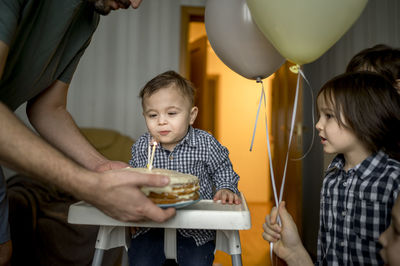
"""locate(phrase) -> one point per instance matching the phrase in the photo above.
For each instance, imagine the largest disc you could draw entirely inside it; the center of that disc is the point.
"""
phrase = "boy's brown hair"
(380, 58)
(369, 106)
(168, 79)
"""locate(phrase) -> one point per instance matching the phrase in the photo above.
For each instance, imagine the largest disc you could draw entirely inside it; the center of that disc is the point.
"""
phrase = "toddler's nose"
(162, 119)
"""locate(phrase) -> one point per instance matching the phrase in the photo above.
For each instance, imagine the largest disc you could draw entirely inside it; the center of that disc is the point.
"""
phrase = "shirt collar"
(336, 164)
(190, 137)
(363, 169)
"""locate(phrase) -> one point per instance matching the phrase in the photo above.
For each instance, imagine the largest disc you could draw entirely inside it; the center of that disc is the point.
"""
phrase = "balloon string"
(271, 168)
(271, 254)
(296, 99)
(294, 112)
(263, 97)
(287, 156)
(312, 116)
(258, 112)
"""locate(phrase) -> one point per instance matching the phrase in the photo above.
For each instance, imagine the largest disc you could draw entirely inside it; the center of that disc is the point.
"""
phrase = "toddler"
(167, 102)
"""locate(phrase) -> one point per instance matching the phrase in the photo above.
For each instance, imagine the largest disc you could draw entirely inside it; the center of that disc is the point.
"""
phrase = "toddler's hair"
(368, 105)
(167, 79)
(380, 58)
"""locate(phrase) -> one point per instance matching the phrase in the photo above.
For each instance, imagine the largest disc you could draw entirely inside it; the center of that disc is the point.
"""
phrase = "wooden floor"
(255, 250)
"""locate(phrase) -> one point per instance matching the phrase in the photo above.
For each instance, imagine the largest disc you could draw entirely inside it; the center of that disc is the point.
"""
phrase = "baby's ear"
(193, 114)
(397, 85)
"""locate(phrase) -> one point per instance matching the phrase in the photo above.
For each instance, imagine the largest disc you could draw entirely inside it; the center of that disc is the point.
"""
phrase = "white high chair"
(205, 214)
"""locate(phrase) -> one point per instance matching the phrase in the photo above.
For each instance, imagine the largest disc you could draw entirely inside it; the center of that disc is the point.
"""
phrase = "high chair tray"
(205, 214)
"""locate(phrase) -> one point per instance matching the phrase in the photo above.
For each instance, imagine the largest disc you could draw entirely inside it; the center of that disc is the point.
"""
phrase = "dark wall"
(379, 23)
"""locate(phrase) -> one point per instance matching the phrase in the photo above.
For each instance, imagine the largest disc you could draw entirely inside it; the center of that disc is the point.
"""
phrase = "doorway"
(230, 102)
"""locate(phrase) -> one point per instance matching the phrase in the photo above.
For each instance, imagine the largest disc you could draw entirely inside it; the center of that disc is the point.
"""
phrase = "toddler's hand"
(227, 196)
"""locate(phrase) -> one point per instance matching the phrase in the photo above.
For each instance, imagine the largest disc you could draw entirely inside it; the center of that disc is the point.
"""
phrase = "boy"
(167, 102)
(360, 121)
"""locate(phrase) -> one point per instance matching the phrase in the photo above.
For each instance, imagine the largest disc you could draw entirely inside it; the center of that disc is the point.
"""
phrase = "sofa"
(40, 232)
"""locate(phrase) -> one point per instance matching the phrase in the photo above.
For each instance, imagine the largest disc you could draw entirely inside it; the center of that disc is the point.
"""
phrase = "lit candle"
(152, 155)
(148, 155)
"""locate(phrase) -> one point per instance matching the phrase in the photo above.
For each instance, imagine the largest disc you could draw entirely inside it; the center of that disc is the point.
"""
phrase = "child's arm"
(287, 243)
(227, 196)
(220, 168)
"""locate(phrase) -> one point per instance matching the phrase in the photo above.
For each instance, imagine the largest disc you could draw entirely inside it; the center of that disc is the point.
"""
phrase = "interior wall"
(237, 103)
(129, 48)
(236, 114)
(379, 23)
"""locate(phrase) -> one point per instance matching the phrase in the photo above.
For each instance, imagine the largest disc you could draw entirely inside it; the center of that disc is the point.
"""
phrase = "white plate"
(178, 205)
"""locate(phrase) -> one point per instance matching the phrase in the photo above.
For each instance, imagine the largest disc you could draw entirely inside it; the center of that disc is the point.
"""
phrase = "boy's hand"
(227, 196)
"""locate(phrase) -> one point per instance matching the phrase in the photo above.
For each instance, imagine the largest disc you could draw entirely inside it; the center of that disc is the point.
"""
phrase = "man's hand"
(110, 165)
(286, 239)
(117, 193)
(227, 196)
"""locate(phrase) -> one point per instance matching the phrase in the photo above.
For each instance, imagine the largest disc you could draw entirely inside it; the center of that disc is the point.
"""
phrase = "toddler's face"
(390, 239)
(168, 115)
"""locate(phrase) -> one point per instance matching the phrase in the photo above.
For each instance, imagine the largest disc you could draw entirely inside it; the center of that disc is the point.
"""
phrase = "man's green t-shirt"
(46, 40)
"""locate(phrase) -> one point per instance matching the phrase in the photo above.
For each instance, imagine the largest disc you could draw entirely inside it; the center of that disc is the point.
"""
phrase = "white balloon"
(303, 30)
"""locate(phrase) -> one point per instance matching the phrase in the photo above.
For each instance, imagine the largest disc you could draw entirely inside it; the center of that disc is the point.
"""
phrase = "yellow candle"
(148, 156)
(152, 155)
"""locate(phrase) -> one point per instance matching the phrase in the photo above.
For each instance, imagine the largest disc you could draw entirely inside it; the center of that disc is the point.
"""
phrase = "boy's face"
(334, 138)
(390, 239)
(168, 115)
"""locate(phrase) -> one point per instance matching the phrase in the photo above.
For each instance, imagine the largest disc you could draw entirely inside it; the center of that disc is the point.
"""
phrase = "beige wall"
(236, 112)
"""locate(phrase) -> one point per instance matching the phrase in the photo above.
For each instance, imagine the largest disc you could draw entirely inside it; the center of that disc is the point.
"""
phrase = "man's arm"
(49, 116)
(116, 192)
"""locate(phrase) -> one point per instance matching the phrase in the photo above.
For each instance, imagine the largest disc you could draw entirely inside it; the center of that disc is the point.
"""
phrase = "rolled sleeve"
(223, 175)
(9, 17)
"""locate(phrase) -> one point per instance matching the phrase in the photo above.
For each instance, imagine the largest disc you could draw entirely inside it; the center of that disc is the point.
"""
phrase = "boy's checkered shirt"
(355, 209)
(199, 154)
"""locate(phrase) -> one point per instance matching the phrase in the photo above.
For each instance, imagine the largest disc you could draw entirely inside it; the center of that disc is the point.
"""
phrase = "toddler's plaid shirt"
(199, 154)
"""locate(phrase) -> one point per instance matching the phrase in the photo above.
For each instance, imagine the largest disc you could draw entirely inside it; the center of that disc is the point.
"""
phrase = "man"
(41, 43)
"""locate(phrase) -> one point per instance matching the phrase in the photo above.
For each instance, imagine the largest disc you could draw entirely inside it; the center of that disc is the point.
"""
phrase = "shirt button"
(344, 213)
(345, 184)
(342, 244)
